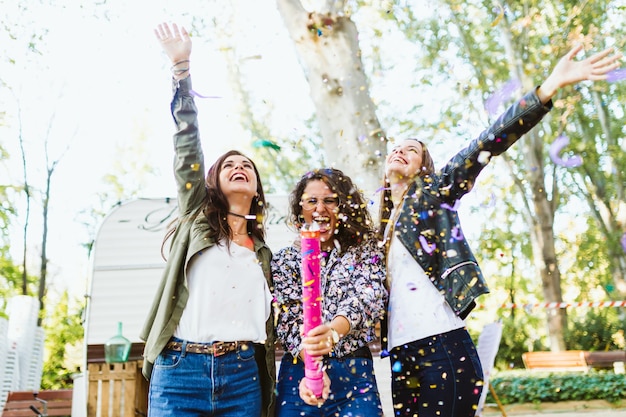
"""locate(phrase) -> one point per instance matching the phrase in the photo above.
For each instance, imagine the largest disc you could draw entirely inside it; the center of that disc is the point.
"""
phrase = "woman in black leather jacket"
(432, 274)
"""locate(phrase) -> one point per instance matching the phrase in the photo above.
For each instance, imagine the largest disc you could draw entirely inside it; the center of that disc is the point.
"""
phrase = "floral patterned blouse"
(353, 286)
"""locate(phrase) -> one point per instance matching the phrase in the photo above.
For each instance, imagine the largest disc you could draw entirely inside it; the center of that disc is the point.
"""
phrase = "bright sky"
(104, 82)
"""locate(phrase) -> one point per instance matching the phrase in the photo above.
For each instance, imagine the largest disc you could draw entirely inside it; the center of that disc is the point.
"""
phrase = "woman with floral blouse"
(354, 296)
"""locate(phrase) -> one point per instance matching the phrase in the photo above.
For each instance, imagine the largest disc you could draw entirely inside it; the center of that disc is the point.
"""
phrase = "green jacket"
(190, 238)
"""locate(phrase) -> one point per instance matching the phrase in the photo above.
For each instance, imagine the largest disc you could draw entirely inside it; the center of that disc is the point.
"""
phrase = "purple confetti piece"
(196, 94)
(457, 203)
(616, 75)
(457, 233)
(411, 286)
(428, 247)
(500, 96)
(555, 150)
(623, 242)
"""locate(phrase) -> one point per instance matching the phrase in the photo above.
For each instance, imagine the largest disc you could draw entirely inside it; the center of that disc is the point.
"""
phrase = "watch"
(335, 336)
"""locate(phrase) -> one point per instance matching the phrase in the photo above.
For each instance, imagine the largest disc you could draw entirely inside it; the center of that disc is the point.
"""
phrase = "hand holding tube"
(311, 302)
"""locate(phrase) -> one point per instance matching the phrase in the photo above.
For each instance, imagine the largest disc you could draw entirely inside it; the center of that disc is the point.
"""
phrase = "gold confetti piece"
(500, 15)
(195, 167)
(188, 186)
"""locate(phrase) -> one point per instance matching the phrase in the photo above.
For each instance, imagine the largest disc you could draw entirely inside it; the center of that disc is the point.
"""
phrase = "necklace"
(241, 216)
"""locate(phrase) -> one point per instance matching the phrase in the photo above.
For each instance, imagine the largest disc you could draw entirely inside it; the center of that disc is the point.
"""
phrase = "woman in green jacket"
(209, 334)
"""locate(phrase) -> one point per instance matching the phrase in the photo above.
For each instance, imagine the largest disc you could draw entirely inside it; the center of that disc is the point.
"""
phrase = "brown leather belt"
(215, 349)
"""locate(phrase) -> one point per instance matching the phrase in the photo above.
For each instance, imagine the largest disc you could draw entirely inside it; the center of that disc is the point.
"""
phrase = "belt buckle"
(219, 348)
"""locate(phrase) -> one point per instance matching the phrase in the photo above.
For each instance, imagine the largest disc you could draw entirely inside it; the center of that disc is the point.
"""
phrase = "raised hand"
(175, 42)
(569, 71)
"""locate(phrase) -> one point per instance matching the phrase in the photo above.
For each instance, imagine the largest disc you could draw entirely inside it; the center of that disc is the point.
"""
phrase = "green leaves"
(524, 387)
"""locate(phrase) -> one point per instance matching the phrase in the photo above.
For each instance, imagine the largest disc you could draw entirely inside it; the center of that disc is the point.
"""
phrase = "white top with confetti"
(425, 310)
(229, 299)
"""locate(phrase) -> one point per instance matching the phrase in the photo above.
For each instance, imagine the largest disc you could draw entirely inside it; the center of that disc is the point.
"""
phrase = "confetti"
(503, 94)
(555, 150)
(429, 248)
(500, 11)
(196, 94)
(616, 75)
(623, 242)
(484, 157)
(455, 207)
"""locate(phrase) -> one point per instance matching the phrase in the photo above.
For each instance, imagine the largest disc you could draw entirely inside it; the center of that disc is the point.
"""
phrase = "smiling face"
(320, 204)
(404, 162)
(238, 177)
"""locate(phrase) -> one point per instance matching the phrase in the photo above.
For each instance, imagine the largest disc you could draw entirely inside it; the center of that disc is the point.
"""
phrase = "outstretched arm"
(176, 44)
(568, 71)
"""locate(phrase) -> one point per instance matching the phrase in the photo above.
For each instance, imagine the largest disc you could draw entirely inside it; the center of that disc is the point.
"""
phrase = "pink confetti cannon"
(311, 300)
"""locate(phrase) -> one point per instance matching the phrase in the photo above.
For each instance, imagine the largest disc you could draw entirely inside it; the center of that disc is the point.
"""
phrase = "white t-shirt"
(416, 308)
(228, 297)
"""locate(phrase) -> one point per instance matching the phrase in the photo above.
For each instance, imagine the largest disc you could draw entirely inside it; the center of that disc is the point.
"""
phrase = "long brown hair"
(354, 223)
(216, 205)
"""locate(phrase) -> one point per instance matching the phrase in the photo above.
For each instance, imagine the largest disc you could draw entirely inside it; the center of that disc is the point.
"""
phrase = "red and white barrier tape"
(563, 305)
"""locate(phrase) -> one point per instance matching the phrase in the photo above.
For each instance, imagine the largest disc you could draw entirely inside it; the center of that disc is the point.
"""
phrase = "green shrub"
(526, 387)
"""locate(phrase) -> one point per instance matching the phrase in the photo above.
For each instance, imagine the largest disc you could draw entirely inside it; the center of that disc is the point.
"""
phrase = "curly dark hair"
(354, 223)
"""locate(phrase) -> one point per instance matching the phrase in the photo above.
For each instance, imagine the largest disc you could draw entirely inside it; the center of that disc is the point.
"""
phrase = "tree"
(64, 337)
(478, 47)
(279, 158)
(327, 43)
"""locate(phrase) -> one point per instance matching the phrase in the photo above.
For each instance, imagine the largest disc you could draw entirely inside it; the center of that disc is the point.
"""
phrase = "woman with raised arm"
(431, 272)
(209, 335)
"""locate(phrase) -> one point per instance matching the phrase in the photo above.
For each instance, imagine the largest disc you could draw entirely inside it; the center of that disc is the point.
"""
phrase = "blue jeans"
(353, 389)
(202, 385)
(436, 376)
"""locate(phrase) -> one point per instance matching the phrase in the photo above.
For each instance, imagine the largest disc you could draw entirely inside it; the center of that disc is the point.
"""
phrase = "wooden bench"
(19, 403)
(605, 359)
(567, 360)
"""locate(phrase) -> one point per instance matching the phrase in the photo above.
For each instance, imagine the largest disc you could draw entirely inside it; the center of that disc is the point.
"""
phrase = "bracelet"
(180, 71)
(178, 63)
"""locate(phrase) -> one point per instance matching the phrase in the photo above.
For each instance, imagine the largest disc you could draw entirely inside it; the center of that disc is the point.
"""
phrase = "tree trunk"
(328, 49)
(541, 221)
(544, 241)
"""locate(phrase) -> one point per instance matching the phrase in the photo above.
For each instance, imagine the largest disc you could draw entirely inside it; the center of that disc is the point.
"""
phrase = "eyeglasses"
(312, 202)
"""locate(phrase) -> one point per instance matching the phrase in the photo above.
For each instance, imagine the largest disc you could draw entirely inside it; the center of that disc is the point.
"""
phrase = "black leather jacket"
(429, 227)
